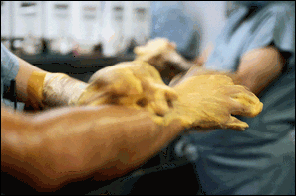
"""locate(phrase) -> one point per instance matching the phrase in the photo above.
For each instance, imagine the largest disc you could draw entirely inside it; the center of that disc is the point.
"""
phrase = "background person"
(257, 45)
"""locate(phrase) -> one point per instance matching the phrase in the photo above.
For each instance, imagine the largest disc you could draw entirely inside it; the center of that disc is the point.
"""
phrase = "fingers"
(127, 85)
(168, 92)
(246, 108)
(251, 105)
(160, 97)
(158, 102)
(243, 102)
(235, 124)
(119, 81)
(153, 73)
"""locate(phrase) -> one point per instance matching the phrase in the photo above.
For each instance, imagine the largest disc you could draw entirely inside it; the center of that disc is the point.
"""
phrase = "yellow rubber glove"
(162, 54)
(204, 101)
(135, 84)
(208, 101)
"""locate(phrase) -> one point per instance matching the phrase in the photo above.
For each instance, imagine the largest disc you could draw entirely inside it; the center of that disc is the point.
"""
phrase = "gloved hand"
(135, 84)
(162, 54)
(208, 101)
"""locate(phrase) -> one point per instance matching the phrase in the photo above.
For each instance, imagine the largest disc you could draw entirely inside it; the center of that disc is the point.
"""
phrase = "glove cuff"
(61, 90)
(53, 90)
(35, 89)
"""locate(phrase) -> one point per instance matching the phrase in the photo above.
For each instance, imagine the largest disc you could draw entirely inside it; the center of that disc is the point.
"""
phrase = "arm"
(22, 78)
(257, 69)
(40, 88)
(67, 144)
(200, 61)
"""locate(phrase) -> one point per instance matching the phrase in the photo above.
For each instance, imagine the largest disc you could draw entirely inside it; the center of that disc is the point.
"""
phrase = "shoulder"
(275, 17)
(281, 9)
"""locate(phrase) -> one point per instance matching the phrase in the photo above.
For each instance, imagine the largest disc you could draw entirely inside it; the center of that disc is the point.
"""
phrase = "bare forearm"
(68, 145)
(256, 70)
(103, 137)
(248, 80)
(20, 142)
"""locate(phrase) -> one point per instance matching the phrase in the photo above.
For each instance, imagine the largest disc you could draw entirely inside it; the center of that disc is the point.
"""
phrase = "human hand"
(208, 101)
(162, 54)
(135, 84)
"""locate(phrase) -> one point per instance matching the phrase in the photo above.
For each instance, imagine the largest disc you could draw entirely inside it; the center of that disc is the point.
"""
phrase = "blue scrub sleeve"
(277, 27)
(9, 68)
(9, 65)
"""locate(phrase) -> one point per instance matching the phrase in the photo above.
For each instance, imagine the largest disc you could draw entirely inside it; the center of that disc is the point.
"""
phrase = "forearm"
(103, 137)
(19, 144)
(53, 89)
(256, 70)
(64, 145)
(199, 70)
(69, 145)
(40, 88)
(22, 78)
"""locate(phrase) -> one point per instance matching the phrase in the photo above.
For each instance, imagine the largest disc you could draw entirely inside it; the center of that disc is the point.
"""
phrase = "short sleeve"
(284, 34)
(275, 26)
(9, 66)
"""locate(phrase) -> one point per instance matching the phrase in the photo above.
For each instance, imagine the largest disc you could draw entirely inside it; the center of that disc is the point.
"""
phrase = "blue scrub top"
(169, 20)
(261, 159)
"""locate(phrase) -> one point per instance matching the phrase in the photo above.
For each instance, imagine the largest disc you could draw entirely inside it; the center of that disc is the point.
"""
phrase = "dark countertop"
(80, 67)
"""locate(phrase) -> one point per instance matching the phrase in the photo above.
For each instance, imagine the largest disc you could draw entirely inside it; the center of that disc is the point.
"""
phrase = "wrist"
(53, 89)
(61, 90)
(35, 89)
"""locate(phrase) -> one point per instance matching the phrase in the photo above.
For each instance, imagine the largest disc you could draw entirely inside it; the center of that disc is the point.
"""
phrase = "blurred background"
(80, 37)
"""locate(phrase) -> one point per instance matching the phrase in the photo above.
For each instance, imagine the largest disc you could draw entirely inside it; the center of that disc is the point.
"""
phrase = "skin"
(31, 144)
(257, 68)
(50, 149)
(60, 146)
(22, 78)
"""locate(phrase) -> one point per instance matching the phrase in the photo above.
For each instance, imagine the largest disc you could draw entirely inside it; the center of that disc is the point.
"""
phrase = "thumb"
(236, 124)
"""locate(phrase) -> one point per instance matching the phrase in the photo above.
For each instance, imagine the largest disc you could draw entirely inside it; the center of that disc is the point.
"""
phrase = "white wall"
(5, 18)
(211, 16)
